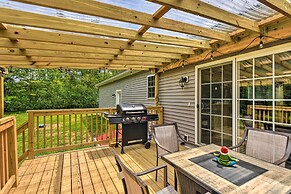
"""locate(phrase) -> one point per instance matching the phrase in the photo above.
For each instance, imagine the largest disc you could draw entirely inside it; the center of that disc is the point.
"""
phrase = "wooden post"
(12, 140)
(156, 89)
(30, 135)
(1, 95)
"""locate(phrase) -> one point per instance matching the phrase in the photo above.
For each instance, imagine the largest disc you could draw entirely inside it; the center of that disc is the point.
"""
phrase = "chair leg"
(157, 163)
(176, 182)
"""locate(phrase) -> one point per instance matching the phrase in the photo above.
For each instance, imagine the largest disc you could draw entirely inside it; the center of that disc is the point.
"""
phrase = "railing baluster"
(2, 167)
(76, 129)
(91, 128)
(81, 128)
(97, 128)
(64, 130)
(58, 131)
(101, 124)
(44, 132)
(87, 128)
(37, 132)
(6, 156)
(70, 129)
(51, 130)
(23, 142)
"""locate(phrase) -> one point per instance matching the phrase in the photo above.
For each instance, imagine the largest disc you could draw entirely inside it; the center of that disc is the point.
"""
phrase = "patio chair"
(133, 184)
(270, 146)
(166, 137)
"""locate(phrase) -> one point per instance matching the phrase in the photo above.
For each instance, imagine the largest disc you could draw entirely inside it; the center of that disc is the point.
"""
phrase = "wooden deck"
(89, 171)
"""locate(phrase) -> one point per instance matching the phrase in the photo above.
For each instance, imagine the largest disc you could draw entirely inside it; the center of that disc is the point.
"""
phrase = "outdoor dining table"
(249, 175)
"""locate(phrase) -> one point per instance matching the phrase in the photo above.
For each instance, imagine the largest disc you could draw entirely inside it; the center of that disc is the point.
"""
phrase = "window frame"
(152, 75)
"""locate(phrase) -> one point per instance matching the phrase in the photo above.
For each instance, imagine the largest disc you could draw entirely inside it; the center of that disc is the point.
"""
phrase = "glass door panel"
(216, 105)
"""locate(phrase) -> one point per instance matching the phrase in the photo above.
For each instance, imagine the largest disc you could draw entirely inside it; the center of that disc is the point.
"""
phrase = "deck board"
(91, 170)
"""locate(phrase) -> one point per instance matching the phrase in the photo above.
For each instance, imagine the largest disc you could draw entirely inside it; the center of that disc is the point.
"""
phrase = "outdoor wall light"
(113, 95)
(183, 81)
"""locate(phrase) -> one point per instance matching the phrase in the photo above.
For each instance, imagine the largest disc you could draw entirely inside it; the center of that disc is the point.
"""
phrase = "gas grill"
(134, 119)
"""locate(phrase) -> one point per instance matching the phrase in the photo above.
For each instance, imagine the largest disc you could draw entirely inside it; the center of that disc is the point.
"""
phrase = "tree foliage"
(31, 89)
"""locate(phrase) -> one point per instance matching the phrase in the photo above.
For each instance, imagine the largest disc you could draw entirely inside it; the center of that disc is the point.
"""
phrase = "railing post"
(109, 126)
(30, 135)
(13, 159)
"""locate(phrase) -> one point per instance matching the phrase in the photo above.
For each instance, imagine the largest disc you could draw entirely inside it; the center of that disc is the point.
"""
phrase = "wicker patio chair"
(270, 146)
(133, 184)
(166, 137)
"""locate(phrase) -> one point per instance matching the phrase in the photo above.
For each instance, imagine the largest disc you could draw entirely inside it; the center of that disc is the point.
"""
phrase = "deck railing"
(58, 130)
(8, 154)
(264, 113)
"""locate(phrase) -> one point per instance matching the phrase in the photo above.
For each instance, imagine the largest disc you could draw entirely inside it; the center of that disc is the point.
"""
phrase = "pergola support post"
(156, 89)
(1, 95)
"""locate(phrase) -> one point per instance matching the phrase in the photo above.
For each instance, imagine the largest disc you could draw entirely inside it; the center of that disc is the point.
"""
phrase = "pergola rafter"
(99, 9)
(49, 41)
(49, 22)
(203, 9)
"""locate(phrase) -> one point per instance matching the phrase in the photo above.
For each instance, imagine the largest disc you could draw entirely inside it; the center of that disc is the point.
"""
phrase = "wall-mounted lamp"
(113, 95)
(183, 81)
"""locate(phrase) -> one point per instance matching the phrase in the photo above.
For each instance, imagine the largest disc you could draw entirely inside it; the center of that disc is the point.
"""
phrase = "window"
(151, 86)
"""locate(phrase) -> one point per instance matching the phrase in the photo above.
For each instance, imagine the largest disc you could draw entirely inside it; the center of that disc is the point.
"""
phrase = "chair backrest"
(167, 136)
(131, 182)
(266, 145)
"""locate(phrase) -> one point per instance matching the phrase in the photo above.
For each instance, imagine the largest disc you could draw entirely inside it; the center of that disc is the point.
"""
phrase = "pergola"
(135, 35)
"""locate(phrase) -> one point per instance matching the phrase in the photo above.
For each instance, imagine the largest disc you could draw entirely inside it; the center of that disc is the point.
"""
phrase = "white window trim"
(116, 94)
(152, 75)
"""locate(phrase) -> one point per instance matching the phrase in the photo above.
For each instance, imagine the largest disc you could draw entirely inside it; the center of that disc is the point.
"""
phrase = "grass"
(60, 129)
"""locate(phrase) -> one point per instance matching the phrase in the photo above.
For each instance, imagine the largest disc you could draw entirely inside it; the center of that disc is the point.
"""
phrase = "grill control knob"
(144, 118)
(127, 119)
(138, 118)
(133, 119)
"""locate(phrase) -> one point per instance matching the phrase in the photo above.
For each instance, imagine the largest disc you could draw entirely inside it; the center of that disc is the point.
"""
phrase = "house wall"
(178, 102)
(133, 90)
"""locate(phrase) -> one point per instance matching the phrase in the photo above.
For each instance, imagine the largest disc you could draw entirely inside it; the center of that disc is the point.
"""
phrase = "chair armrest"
(158, 143)
(286, 156)
(156, 168)
(242, 141)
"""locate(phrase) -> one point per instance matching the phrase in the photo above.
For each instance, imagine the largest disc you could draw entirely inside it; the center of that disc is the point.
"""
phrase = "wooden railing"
(264, 113)
(8, 154)
(22, 134)
(59, 130)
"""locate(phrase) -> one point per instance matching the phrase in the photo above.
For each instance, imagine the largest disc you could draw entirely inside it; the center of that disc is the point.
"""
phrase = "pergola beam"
(9, 59)
(27, 44)
(94, 8)
(76, 66)
(11, 16)
(282, 6)
(206, 10)
(71, 39)
(84, 55)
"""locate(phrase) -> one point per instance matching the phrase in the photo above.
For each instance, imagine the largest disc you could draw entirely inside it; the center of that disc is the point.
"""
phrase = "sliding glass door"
(215, 110)
(264, 93)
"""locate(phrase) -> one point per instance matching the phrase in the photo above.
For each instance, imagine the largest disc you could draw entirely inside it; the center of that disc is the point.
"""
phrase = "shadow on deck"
(89, 171)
